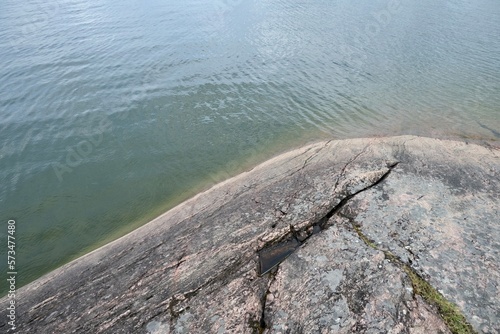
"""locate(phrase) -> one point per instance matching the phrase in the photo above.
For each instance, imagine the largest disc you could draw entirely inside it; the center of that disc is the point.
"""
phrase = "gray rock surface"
(342, 221)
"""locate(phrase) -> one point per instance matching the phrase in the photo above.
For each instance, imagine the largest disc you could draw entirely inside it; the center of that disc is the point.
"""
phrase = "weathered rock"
(339, 285)
(358, 221)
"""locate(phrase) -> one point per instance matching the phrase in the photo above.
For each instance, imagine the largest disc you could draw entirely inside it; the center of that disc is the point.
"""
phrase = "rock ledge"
(329, 238)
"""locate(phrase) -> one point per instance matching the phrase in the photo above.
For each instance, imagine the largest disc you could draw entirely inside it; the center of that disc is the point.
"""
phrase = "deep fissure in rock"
(260, 325)
(272, 255)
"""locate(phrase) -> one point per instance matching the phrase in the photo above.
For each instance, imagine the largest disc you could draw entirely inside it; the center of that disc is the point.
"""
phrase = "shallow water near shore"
(113, 112)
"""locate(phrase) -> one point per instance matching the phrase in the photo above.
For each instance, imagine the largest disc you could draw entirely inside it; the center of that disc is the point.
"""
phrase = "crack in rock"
(342, 172)
(262, 325)
(283, 246)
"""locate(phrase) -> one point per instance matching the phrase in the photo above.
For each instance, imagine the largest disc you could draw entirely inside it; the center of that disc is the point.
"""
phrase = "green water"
(113, 112)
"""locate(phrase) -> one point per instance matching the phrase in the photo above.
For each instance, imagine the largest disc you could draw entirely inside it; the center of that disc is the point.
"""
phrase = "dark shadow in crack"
(274, 255)
(271, 256)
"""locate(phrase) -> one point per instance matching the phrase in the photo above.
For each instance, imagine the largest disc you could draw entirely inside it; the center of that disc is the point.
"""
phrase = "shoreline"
(209, 185)
(212, 222)
(233, 168)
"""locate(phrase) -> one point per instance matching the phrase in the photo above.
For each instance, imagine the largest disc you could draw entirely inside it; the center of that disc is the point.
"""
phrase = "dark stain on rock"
(356, 289)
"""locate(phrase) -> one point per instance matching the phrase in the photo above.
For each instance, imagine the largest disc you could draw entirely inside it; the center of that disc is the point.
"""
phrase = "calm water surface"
(114, 111)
